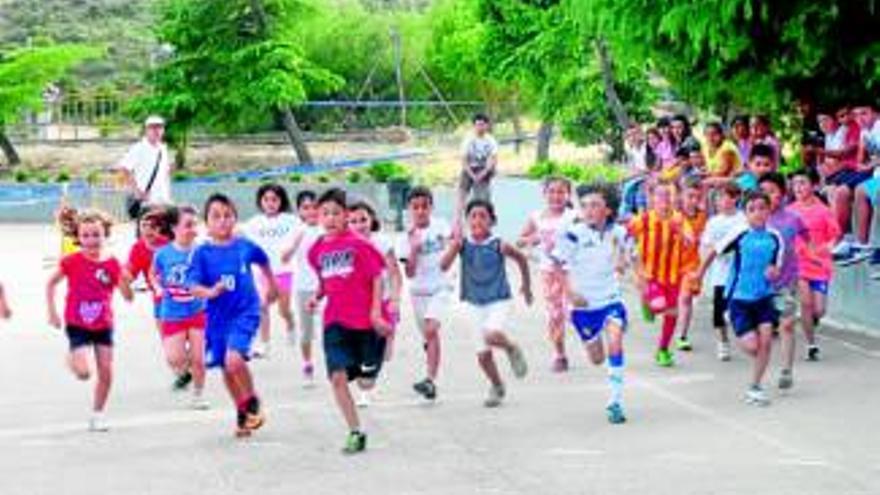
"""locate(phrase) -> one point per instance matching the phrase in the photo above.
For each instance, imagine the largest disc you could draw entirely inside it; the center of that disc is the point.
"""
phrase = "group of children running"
(767, 262)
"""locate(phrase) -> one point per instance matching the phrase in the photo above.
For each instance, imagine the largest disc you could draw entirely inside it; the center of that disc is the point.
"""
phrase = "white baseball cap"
(154, 120)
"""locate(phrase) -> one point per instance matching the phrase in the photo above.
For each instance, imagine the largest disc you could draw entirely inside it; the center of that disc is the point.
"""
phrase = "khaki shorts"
(475, 190)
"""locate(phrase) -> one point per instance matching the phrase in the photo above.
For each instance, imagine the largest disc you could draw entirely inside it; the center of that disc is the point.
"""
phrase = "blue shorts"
(747, 316)
(589, 323)
(82, 337)
(360, 353)
(820, 286)
(872, 188)
(233, 335)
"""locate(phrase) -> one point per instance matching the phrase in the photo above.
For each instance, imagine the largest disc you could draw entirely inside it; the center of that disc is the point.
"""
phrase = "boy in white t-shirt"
(430, 290)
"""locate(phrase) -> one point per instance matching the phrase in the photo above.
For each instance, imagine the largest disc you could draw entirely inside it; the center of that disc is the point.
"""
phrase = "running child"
(221, 273)
(350, 271)
(591, 253)
(792, 229)
(815, 263)
(422, 252)
(757, 259)
(541, 231)
(362, 219)
(273, 230)
(694, 212)
(181, 316)
(661, 234)
(92, 276)
(486, 292)
(154, 234)
(66, 219)
(727, 219)
(305, 280)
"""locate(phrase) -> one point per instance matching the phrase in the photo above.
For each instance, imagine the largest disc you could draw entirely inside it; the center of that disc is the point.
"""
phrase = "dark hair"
(608, 192)
(420, 192)
(810, 173)
(175, 213)
(333, 195)
(687, 125)
(362, 204)
(481, 117)
(279, 191)
(776, 179)
(732, 189)
(305, 195)
(717, 126)
(663, 122)
(756, 196)
(762, 119)
(740, 119)
(158, 216)
(222, 199)
(482, 203)
(763, 151)
(683, 152)
(553, 179)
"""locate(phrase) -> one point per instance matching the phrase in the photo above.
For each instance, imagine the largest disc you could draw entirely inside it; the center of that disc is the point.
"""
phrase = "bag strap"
(155, 173)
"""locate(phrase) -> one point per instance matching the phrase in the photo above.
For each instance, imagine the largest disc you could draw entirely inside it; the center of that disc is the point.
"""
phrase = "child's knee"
(339, 379)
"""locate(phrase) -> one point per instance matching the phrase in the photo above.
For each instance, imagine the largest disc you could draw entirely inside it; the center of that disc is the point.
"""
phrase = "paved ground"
(689, 432)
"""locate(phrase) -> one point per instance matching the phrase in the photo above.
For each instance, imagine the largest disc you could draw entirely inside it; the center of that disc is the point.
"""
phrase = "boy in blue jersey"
(757, 253)
(221, 274)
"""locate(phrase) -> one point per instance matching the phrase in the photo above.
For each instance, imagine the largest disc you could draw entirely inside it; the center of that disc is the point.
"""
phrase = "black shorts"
(81, 337)
(360, 353)
(719, 307)
(747, 316)
(848, 177)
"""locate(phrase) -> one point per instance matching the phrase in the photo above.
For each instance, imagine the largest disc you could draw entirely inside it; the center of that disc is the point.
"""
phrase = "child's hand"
(286, 256)
(312, 304)
(381, 326)
(577, 300)
(54, 319)
(217, 290)
(772, 273)
(527, 295)
(271, 295)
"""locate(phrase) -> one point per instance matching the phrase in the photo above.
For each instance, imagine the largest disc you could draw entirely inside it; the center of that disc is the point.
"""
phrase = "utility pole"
(398, 73)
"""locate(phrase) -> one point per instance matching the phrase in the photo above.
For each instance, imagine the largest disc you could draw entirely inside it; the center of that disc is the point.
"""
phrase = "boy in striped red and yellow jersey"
(661, 234)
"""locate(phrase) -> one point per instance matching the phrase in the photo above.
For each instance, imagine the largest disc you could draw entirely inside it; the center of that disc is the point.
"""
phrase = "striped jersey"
(661, 244)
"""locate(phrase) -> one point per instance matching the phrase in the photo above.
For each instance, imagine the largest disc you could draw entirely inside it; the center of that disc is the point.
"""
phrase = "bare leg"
(786, 331)
(432, 347)
(490, 369)
(595, 351)
(762, 355)
(175, 352)
(78, 361)
(863, 215)
(342, 394)
(807, 311)
(104, 359)
(197, 357)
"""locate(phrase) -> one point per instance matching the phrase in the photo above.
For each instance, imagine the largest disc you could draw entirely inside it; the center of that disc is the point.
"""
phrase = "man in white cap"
(147, 168)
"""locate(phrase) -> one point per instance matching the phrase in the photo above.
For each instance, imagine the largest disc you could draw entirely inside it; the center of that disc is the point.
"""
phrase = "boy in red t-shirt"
(154, 234)
(349, 270)
(88, 314)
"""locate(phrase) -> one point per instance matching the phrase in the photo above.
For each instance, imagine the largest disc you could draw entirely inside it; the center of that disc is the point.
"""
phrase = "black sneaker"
(253, 415)
(355, 442)
(813, 353)
(182, 381)
(241, 429)
(426, 389)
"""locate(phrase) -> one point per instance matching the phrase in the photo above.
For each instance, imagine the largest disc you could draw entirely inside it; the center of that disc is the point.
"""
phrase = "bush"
(43, 177)
(181, 176)
(22, 176)
(295, 178)
(241, 179)
(62, 176)
(580, 174)
(322, 179)
(93, 177)
(384, 171)
(354, 177)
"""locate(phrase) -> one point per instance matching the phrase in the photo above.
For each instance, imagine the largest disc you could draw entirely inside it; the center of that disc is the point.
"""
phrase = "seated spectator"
(866, 194)
(742, 137)
(762, 134)
(722, 156)
(682, 136)
(639, 154)
(664, 150)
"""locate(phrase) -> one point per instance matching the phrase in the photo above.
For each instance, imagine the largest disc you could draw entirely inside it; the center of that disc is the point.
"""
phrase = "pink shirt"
(347, 265)
(90, 286)
(823, 229)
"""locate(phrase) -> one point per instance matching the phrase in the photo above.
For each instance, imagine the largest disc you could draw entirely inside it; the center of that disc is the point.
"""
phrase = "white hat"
(154, 120)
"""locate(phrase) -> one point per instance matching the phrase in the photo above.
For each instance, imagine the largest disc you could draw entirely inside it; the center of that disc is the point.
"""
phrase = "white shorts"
(431, 307)
(488, 318)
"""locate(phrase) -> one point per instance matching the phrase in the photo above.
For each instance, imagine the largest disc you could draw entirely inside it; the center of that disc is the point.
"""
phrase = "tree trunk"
(8, 149)
(181, 150)
(611, 95)
(517, 126)
(545, 134)
(295, 134)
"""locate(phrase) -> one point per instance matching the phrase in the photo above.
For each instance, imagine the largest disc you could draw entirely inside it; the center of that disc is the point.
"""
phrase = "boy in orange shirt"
(694, 211)
(661, 234)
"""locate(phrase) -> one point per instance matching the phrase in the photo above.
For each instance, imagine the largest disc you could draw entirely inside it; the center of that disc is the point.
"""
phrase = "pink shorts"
(284, 281)
(661, 297)
(195, 322)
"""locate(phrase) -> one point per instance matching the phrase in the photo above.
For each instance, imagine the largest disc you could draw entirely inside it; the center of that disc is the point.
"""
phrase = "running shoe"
(615, 414)
(98, 422)
(843, 250)
(664, 358)
(495, 397)
(857, 254)
(756, 395)
(308, 371)
(241, 429)
(182, 381)
(813, 353)
(724, 351)
(198, 401)
(786, 380)
(560, 364)
(355, 442)
(683, 344)
(426, 388)
(517, 362)
(254, 417)
(260, 351)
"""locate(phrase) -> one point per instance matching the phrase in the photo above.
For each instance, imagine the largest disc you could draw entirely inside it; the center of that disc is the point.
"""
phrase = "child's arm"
(54, 280)
(272, 289)
(415, 247)
(379, 324)
(451, 252)
(577, 300)
(124, 285)
(523, 263)
(528, 235)
(704, 266)
(5, 311)
(287, 254)
(396, 279)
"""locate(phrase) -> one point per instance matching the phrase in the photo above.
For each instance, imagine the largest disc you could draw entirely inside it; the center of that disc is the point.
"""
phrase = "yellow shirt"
(713, 160)
(68, 245)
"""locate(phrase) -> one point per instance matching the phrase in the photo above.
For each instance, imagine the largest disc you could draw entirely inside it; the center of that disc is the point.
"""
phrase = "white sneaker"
(98, 423)
(724, 351)
(842, 248)
(198, 402)
(495, 397)
(757, 396)
(363, 399)
(260, 350)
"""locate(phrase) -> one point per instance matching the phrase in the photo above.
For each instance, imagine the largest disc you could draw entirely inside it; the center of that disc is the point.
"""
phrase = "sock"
(667, 331)
(615, 378)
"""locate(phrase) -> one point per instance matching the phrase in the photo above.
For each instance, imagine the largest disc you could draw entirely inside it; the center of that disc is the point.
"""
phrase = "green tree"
(745, 53)
(235, 64)
(25, 74)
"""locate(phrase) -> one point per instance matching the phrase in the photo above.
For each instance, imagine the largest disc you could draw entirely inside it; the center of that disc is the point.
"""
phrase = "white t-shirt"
(871, 138)
(429, 277)
(140, 161)
(836, 141)
(477, 150)
(718, 228)
(548, 229)
(589, 256)
(274, 235)
(304, 277)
